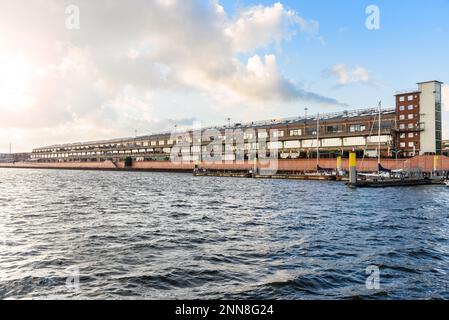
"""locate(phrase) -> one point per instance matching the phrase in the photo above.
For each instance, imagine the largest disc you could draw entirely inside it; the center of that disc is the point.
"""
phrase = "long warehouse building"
(412, 127)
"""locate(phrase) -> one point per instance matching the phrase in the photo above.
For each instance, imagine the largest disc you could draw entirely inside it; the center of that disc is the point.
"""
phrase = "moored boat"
(390, 183)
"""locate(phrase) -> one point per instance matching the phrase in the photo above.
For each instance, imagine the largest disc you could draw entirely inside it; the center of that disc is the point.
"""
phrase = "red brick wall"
(426, 163)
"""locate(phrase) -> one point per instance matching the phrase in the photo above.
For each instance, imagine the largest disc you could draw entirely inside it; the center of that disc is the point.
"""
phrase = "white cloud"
(259, 26)
(103, 78)
(346, 76)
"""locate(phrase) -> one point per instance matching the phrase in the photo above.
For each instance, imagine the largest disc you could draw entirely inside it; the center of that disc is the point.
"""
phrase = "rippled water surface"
(168, 235)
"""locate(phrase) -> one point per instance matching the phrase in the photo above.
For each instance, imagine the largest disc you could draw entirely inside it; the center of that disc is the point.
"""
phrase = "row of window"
(409, 135)
(410, 107)
(410, 144)
(357, 128)
(296, 144)
(409, 116)
(138, 144)
(409, 98)
(409, 126)
(188, 139)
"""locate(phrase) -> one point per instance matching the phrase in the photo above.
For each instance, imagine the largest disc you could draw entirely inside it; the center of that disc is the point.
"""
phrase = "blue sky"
(411, 46)
(86, 70)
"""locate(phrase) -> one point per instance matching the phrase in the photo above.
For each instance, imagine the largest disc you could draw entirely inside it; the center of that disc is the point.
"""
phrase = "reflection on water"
(122, 235)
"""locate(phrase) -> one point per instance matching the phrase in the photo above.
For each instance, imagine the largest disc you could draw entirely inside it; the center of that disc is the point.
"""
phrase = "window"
(410, 98)
(402, 126)
(262, 134)
(411, 135)
(411, 144)
(278, 134)
(296, 132)
(161, 142)
(410, 125)
(402, 99)
(248, 136)
(153, 143)
(402, 136)
(402, 144)
(410, 107)
(410, 116)
(401, 117)
(402, 108)
(357, 128)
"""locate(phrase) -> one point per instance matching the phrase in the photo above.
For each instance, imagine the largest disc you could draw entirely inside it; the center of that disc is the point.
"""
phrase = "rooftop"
(334, 116)
(430, 81)
(407, 91)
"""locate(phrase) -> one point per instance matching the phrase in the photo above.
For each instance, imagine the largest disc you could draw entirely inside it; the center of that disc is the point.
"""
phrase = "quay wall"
(425, 163)
(61, 165)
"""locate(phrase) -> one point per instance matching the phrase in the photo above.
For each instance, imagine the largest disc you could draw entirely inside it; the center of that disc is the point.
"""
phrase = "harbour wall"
(425, 163)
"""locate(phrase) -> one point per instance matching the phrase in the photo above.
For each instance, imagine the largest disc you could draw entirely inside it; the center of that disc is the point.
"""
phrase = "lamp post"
(305, 120)
(305, 127)
(396, 152)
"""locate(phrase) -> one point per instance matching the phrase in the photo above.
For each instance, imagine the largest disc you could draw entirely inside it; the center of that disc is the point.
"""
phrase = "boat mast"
(318, 139)
(378, 151)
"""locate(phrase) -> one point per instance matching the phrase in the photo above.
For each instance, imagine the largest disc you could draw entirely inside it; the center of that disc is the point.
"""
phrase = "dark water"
(162, 235)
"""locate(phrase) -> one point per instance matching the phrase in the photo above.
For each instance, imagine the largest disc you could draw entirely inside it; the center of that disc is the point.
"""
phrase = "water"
(126, 235)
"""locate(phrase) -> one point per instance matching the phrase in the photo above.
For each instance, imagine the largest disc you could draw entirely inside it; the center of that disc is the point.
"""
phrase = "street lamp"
(396, 152)
(305, 120)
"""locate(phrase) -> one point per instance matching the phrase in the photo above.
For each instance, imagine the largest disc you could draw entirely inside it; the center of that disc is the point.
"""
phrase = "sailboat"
(383, 177)
(382, 172)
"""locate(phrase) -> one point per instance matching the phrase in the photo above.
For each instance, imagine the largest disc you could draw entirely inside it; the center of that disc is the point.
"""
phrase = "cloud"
(347, 76)
(103, 78)
(259, 26)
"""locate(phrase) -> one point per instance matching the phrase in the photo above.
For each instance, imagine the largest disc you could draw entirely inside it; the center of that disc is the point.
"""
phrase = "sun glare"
(14, 83)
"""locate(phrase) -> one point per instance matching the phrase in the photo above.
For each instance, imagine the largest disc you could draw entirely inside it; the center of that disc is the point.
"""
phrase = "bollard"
(352, 168)
(338, 165)
(255, 167)
(435, 165)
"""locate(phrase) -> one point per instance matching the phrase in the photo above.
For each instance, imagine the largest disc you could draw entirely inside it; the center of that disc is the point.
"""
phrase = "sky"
(84, 70)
